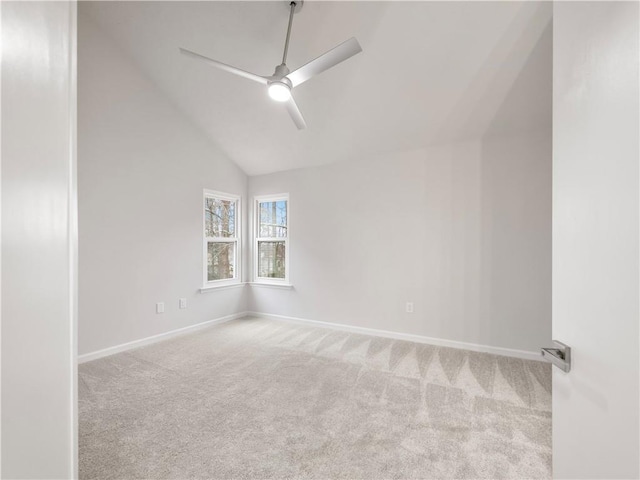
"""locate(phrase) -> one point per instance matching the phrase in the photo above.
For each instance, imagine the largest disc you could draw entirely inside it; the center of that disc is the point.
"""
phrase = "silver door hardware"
(559, 356)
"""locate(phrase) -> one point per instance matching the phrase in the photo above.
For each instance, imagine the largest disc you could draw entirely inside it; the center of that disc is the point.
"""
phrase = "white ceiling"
(430, 72)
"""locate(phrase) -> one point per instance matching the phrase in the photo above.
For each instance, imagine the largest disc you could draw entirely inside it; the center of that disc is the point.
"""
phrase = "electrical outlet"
(183, 303)
(160, 307)
(409, 307)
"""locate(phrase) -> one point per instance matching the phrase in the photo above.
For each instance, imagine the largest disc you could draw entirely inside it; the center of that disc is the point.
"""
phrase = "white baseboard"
(87, 357)
(440, 342)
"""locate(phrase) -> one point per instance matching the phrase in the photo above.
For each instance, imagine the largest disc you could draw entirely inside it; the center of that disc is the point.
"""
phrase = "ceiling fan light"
(279, 91)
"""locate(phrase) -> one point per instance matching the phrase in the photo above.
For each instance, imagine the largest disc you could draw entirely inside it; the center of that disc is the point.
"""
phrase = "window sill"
(285, 286)
(215, 288)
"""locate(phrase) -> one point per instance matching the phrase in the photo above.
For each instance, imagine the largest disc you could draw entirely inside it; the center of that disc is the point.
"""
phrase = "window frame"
(257, 200)
(237, 239)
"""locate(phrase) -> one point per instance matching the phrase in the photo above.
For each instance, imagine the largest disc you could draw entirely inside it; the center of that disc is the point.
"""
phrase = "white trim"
(73, 228)
(440, 342)
(225, 282)
(231, 197)
(87, 357)
(285, 286)
(271, 197)
(215, 288)
(1, 63)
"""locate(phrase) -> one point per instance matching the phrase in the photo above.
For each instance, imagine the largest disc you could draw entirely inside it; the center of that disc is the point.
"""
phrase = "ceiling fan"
(280, 84)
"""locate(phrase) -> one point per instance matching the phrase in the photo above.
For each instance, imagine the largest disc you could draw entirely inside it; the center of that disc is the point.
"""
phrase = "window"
(221, 238)
(272, 239)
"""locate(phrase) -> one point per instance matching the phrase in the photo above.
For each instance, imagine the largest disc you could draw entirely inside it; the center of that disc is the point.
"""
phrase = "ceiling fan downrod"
(286, 43)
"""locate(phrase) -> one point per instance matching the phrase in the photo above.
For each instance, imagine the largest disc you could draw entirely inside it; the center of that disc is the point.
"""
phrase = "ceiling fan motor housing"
(279, 85)
(281, 73)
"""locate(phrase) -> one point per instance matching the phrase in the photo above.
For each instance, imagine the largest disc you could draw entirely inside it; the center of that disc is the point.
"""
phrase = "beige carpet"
(261, 399)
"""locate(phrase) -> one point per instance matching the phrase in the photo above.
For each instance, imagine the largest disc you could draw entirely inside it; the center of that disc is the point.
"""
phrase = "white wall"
(462, 230)
(38, 240)
(141, 171)
(596, 211)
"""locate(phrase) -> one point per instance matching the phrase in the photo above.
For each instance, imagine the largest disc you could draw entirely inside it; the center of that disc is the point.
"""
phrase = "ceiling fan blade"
(325, 61)
(225, 67)
(295, 114)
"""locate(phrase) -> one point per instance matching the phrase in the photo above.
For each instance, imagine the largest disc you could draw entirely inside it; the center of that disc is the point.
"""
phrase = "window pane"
(273, 219)
(271, 259)
(219, 217)
(220, 260)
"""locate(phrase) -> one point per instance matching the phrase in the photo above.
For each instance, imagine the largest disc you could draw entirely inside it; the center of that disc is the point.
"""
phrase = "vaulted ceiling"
(430, 72)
